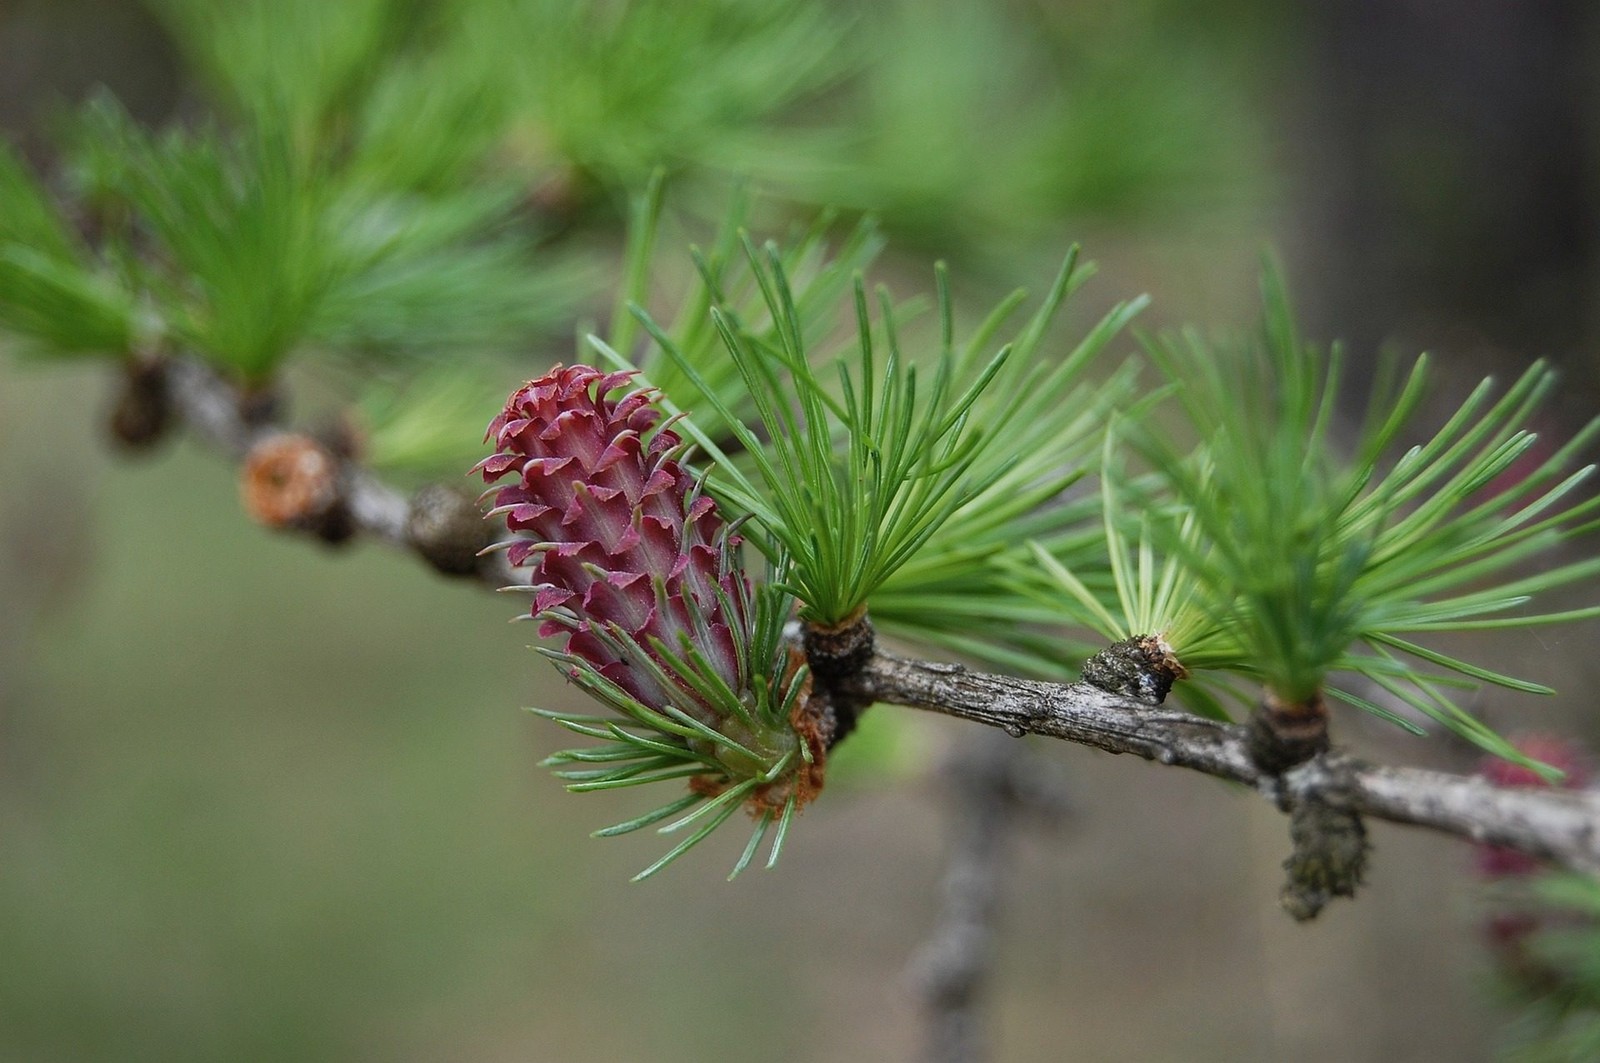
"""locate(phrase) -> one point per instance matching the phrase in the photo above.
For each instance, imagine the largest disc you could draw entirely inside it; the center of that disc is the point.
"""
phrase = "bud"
(291, 481)
(632, 562)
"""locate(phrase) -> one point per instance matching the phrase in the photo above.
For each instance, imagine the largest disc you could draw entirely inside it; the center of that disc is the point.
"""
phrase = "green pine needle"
(614, 92)
(292, 65)
(55, 294)
(852, 480)
(820, 274)
(752, 744)
(975, 572)
(1299, 551)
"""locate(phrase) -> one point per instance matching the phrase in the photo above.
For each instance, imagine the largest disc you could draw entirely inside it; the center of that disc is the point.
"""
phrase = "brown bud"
(447, 529)
(1142, 667)
(142, 411)
(291, 481)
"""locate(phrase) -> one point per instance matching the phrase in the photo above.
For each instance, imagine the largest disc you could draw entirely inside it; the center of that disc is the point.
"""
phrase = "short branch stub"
(1141, 667)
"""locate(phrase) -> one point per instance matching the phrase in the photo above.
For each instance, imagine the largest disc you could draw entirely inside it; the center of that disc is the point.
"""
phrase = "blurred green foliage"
(400, 179)
(266, 840)
(982, 124)
(1313, 555)
(1547, 936)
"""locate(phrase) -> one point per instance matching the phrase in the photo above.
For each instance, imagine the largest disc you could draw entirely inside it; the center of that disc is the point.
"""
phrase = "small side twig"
(216, 412)
(991, 785)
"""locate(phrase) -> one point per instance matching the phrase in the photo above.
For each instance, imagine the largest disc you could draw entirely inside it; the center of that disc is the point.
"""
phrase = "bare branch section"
(213, 410)
(1558, 825)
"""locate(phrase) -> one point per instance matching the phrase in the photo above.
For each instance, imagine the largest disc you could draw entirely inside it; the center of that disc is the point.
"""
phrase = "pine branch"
(1561, 826)
(217, 413)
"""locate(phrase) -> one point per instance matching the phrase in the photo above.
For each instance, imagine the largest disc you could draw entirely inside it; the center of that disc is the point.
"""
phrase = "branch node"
(837, 651)
(142, 412)
(1141, 667)
(835, 654)
(445, 527)
(259, 405)
(1282, 734)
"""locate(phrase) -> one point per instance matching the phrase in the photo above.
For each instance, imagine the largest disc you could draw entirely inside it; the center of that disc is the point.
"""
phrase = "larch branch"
(210, 407)
(1562, 826)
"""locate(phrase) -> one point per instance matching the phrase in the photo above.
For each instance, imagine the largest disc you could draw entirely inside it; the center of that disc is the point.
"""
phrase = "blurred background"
(263, 800)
